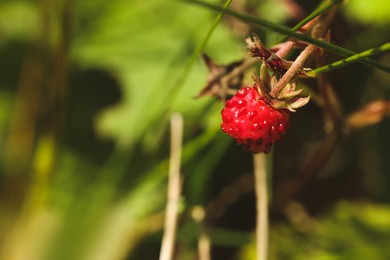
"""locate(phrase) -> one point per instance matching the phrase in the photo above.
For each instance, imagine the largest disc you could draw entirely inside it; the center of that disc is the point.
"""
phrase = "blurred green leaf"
(349, 231)
(148, 57)
(369, 12)
(18, 20)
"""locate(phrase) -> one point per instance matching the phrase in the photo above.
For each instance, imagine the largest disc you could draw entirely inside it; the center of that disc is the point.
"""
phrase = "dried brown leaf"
(371, 114)
(215, 86)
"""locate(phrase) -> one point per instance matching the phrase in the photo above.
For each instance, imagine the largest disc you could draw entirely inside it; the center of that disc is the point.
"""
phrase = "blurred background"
(86, 92)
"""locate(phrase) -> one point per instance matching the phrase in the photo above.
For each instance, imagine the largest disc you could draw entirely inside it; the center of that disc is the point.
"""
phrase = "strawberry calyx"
(287, 96)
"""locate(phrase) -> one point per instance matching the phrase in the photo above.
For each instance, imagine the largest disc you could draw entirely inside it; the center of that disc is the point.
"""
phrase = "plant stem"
(261, 206)
(351, 59)
(237, 71)
(174, 188)
(291, 72)
(204, 245)
(183, 75)
(284, 30)
(285, 49)
(288, 45)
(322, 8)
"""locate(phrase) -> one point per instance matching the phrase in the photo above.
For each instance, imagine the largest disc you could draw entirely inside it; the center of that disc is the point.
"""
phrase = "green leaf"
(369, 12)
(149, 58)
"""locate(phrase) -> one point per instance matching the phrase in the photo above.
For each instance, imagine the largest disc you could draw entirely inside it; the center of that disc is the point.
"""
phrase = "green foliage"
(84, 109)
(148, 60)
(142, 49)
(376, 12)
(24, 19)
(349, 231)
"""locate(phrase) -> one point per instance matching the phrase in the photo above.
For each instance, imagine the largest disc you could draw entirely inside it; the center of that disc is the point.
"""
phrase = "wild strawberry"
(258, 116)
(250, 119)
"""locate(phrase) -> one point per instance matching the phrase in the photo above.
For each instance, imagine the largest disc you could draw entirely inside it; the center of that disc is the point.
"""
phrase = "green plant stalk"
(322, 8)
(183, 75)
(284, 30)
(354, 58)
(181, 79)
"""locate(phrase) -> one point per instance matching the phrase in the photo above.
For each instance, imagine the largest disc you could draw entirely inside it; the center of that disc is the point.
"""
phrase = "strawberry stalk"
(296, 66)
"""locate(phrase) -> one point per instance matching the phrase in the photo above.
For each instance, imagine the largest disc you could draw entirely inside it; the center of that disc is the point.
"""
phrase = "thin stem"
(180, 80)
(291, 72)
(354, 58)
(285, 49)
(212, 28)
(204, 245)
(240, 69)
(331, 106)
(174, 188)
(236, 72)
(322, 8)
(287, 46)
(261, 206)
(284, 30)
(198, 213)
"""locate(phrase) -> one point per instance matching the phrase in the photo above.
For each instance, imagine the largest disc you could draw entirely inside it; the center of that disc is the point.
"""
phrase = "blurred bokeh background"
(86, 92)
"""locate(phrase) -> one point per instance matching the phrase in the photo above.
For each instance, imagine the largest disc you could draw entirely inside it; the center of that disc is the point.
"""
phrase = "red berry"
(252, 121)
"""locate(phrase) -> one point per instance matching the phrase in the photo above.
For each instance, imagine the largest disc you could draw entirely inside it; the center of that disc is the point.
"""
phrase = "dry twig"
(261, 206)
(174, 188)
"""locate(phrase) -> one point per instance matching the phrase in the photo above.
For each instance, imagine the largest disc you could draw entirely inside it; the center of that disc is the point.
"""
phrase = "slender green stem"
(173, 90)
(322, 8)
(349, 60)
(203, 44)
(212, 28)
(284, 30)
